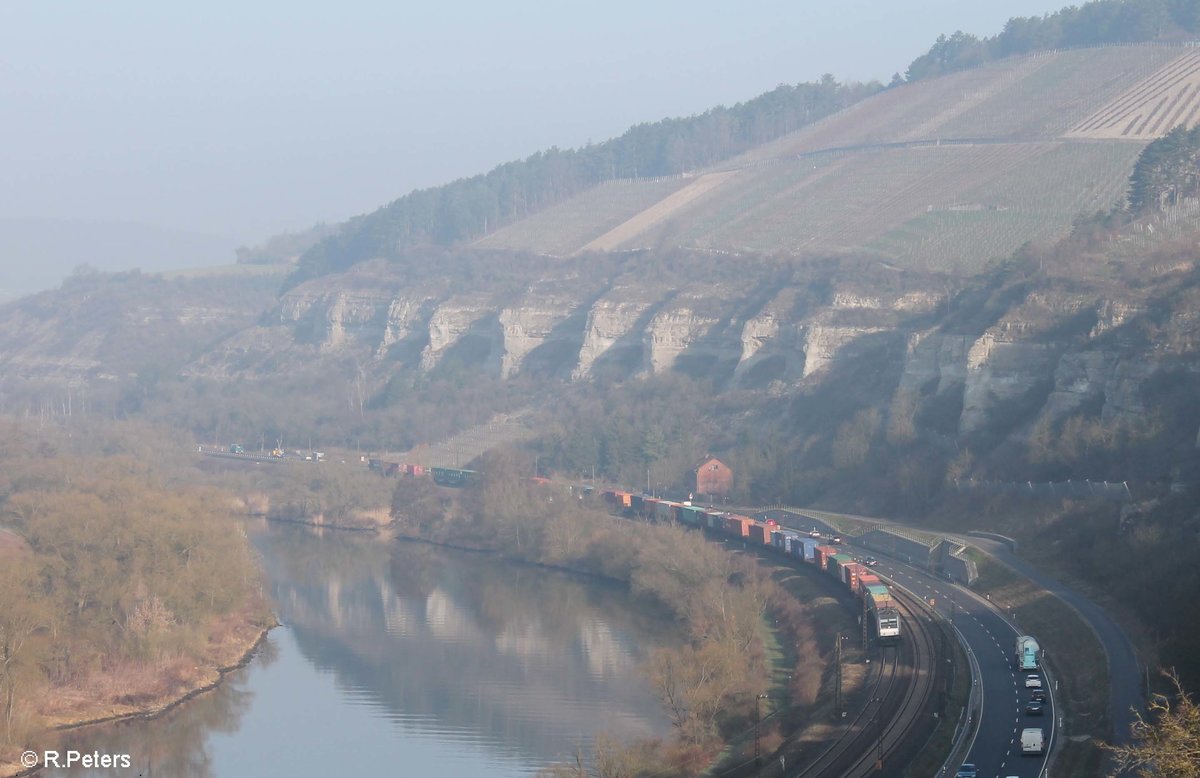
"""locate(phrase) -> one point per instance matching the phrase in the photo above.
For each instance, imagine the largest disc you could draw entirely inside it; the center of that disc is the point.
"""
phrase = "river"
(408, 659)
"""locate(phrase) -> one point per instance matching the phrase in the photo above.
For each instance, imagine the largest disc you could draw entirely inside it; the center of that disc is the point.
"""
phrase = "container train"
(878, 606)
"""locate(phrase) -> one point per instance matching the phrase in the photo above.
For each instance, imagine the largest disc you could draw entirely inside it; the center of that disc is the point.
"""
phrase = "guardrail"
(972, 711)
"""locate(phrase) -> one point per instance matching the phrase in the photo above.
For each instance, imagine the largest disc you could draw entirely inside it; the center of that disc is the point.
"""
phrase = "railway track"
(901, 690)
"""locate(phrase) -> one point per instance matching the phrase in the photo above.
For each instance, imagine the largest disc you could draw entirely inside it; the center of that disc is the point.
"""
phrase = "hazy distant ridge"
(40, 253)
(470, 208)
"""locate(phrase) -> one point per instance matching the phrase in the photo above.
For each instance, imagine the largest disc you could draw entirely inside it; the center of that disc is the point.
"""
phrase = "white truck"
(1033, 742)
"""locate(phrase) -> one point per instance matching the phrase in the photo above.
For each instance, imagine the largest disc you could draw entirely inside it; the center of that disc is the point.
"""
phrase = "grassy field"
(460, 449)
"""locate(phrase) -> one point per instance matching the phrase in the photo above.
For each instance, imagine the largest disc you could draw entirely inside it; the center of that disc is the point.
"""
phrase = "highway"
(996, 741)
(1125, 673)
(996, 748)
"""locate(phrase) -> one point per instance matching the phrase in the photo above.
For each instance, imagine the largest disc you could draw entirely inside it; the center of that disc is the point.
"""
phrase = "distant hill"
(470, 208)
(1097, 23)
(936, 297)
(941, 174)
(944, 174)
(39, 253)
(475, 209)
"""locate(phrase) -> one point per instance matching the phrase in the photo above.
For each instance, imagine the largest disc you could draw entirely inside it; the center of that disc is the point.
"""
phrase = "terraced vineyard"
(944, 174)
(1029, 202)
(1168, 98)
(566, 227)
(807, 207)
(1063, 90)
(1026, 98)
(659, 212)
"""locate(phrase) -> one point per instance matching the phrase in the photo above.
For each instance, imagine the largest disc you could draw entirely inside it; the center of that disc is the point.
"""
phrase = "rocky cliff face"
(612, 321)
(1053, 354)
(109, 328)
(539, 322)
(459, 318)
(1052, 351)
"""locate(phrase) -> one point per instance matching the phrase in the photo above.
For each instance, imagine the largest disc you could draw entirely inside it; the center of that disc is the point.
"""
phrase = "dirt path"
(658, 213)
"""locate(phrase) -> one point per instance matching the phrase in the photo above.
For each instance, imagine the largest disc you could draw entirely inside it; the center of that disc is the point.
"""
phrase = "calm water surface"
(405, 659)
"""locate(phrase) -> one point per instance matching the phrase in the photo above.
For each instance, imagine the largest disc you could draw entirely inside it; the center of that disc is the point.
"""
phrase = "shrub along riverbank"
(724, 600)
(122, 590)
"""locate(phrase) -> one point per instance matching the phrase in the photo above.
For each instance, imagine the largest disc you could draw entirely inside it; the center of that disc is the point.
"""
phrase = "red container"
(822, 554)
(738, 526)
(850, 574)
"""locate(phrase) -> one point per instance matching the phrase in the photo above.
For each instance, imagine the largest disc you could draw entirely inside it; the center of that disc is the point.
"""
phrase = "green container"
(879, 591)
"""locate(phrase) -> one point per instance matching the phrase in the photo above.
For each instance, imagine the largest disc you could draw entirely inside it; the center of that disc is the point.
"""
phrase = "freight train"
(878, 606)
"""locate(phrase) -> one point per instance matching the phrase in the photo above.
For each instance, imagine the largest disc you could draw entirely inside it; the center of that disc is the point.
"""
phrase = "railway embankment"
(898, 705)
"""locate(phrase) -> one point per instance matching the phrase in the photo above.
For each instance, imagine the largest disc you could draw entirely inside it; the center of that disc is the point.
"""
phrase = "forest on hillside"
(1167, 172)
(469, 208)
(1095, 23)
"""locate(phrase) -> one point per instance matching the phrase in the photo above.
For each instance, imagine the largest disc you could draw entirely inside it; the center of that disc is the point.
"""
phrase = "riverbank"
(144, 692)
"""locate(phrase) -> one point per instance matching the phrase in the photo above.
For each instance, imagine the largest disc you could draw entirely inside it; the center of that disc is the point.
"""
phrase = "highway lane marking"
(1016, 687)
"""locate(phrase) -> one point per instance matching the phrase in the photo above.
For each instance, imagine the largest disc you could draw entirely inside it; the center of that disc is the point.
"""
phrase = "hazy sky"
(246, 119)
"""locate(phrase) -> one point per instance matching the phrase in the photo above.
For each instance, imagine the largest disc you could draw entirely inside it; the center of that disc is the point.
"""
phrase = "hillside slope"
(833, 323)
(943, 174)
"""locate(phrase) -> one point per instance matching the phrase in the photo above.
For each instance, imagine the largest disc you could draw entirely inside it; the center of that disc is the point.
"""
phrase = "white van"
(1033, 741)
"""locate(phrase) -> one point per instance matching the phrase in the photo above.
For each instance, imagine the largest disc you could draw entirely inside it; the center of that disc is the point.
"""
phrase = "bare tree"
(1167, 741)
(20, 617)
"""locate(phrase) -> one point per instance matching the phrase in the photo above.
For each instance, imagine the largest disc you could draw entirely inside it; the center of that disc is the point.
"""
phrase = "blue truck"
(1027, 653)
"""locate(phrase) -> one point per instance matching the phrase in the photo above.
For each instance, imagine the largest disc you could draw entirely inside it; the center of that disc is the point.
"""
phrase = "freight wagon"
(453, 476)
(862, 581)
(691, 515)
(877, 600)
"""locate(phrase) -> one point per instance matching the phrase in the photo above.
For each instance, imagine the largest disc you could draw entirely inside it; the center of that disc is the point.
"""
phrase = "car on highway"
(870, 561)
(816, 533)
(1034, 708)
(1033, 681)
(967, 771)
(1038, 696)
